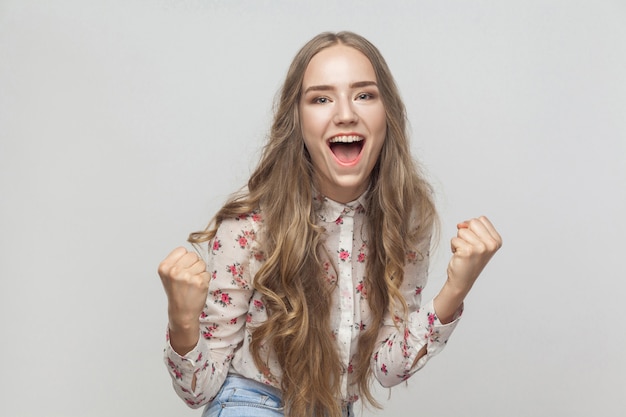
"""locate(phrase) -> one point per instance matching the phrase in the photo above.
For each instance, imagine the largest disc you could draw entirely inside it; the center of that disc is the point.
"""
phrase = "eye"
(365, 96)
(321, 100)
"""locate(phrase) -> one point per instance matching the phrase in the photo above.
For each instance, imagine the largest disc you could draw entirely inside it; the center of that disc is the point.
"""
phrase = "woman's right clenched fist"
(186, 284)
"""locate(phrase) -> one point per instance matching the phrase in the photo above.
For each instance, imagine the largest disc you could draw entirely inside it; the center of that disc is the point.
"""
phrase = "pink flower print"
(203, 315)
(239, 281)
(406, 375)
(361, 289)
(418, 290)
(411, 257)
(236, 270)
(221, 298)
(217, 244)
(343, 255)
(233, 320)
(339, 220)
(248, 318)
(213, 274)
(362, 326)
(384, 369)
(256, 217)
(350, 368)
(431, 318)
(199, 358)
(259, 256)
(243, 216)
(405, 345)
(258, 304)
(361, 256)
(243, 241)
(177, 372)
(207, 332)
(432, 336)
(405, 351)
(353, 398)
(326, 266)
(193, 403)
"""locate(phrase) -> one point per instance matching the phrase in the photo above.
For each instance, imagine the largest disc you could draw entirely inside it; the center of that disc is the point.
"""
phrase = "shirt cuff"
(183, 367)
(425, 324)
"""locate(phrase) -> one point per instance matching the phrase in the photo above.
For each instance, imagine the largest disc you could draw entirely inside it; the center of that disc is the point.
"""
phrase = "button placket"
(344, 262)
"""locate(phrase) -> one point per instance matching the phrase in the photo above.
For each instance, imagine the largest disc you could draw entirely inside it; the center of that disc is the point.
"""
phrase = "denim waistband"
(235, 381)
(238, 381)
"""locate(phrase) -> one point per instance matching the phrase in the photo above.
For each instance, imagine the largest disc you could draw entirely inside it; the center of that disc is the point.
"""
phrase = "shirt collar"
(331, 211)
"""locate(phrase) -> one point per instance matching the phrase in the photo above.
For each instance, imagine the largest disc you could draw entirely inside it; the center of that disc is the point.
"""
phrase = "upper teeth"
(346, 139)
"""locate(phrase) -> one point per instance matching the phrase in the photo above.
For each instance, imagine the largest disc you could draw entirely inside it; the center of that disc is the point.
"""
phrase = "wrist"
(183, 320)
(183, 339)
(449, 302)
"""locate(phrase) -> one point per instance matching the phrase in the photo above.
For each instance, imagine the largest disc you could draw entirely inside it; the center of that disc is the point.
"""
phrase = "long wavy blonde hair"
(399, 211)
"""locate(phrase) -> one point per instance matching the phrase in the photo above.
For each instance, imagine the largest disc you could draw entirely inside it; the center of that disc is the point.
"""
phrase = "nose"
(345, 112)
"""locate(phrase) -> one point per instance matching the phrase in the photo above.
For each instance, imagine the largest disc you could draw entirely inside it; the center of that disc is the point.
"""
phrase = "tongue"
(346, 152)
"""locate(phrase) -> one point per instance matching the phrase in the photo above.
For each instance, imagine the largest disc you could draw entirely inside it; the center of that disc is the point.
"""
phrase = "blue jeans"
(243, 397)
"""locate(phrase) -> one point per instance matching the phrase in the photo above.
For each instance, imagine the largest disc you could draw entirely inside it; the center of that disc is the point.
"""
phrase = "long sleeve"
(401, 340)
(223, 318)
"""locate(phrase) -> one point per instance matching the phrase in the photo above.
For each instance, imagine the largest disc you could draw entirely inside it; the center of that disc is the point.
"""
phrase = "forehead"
(338, 64)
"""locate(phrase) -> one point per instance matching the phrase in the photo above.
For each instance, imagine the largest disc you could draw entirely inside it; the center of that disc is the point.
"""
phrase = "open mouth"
(346, 148)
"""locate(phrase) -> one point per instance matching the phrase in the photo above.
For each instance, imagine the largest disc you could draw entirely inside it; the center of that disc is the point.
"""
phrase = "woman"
(312, 287)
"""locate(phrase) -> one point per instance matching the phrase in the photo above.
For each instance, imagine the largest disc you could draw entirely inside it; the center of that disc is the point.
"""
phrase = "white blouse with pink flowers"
(232, 303)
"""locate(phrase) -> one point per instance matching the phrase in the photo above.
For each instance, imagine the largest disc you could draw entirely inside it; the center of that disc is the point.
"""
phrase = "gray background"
(125, 124)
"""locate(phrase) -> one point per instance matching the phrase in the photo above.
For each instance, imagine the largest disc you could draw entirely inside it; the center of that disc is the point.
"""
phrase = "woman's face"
(343, 121)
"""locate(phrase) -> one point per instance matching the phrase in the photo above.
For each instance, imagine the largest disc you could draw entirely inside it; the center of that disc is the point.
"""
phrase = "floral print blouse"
(232, 303)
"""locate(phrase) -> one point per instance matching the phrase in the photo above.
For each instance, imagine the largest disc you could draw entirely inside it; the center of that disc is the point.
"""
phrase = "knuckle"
(165, 270)
(495, 244)
(198, 283)
(162, 269)
(204, 285)
(176, 272)
(481, 248)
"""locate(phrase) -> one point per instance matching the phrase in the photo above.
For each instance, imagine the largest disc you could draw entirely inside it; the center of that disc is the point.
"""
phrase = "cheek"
(376, 120)
(312, 148)
(310, 121)
(381, 122)
(379, 131)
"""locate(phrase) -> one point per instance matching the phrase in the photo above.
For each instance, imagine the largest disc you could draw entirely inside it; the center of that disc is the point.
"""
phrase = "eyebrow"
(357, 84)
